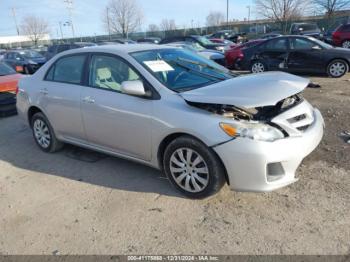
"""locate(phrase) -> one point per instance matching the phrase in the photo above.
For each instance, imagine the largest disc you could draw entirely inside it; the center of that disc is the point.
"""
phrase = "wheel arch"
(171, 137)
(32, 110)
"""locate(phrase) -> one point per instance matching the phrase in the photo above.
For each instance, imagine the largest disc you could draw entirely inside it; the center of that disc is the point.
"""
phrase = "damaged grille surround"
(291, 125)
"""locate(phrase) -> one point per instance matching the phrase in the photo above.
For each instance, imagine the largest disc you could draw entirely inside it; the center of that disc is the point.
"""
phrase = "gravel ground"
(77, 202)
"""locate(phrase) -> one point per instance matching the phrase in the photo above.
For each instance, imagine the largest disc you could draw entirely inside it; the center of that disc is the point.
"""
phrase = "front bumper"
(247, 161)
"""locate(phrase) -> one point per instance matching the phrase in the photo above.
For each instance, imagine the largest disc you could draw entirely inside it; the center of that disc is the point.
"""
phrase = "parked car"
(203, 41)
(24, 61)
(234, 56)
(228, 35)
(108, 43)
(56, 49)
(213, 55)
(307, 29)
(174, 110)
(124, 41)
(223, 41)
(2, 53)
(270, 35)
(8, 86)
(149, 40)
(297, 54)
(341, 36)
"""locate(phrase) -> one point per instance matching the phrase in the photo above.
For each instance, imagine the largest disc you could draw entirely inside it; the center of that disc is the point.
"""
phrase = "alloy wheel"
(346, 44)
(189, 170)
(337, 69)
(258, 67)
(42, 133)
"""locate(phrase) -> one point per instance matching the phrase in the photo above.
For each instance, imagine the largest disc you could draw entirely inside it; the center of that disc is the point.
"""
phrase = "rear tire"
(193, 168)
(337, 68)
(258, 67)
(44, 135)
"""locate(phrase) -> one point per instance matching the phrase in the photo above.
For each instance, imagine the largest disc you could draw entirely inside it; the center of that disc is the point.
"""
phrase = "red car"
(8, 87)
(341, 36)
(234, 55)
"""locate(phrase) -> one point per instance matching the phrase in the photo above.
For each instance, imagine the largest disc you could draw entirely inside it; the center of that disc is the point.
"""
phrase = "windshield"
(204, 41)
(181, 70)
(6, 70)
(30, 54)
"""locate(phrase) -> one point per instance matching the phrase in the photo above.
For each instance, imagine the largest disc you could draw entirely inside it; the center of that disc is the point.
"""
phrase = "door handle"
(89, 100)
(44, 91)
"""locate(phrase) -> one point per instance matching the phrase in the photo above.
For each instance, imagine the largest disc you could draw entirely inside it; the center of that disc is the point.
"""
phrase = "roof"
(118, 48)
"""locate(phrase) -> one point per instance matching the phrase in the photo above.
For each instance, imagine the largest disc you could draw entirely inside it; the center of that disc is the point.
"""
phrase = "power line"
(70, 10)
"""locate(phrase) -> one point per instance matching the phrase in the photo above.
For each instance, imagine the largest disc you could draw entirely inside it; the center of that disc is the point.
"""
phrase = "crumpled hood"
(265, 89)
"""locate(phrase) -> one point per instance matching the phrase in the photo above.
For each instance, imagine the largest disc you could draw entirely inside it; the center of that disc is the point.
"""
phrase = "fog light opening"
(275, 171)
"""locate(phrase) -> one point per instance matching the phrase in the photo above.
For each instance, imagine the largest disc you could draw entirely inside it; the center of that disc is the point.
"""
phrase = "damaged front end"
(265, 113)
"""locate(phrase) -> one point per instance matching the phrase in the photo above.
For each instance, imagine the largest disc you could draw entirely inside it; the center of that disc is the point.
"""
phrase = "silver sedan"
(176, 111)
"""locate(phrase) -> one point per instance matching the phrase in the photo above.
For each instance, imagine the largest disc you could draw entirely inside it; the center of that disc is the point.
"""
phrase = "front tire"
(337, 68)
(258, 67)
(346, 44)
(44, 135)
(193, 168)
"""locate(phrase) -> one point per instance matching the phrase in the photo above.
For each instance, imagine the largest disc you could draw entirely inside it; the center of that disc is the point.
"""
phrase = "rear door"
(274, 53)
(305, 56)
(115, 121)
(60, 94)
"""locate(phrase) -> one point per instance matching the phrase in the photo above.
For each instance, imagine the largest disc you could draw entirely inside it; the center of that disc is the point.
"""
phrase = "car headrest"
(104, 73)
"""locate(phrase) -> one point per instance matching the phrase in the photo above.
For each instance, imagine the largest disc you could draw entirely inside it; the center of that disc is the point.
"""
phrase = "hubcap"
(189, 170)
(346, 44)
(41, 133)
(258, 68)
(337, 69)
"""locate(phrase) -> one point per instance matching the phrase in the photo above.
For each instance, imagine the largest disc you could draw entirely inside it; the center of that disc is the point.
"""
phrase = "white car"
(176, 111)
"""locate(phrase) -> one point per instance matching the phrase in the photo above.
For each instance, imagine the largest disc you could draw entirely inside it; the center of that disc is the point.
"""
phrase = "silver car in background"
(174, 110)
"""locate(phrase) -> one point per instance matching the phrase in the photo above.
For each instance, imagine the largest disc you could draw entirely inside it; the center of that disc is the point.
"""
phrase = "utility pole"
(227, 9)
(15, 19)
(108, 25)
(70, 10)
(60, 23)
(248, 14)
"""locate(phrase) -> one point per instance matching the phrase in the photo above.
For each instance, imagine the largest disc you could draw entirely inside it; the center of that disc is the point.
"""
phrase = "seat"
(105, 79)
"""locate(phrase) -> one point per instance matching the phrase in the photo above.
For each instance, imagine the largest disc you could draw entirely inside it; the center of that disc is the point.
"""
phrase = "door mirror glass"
(134, 87)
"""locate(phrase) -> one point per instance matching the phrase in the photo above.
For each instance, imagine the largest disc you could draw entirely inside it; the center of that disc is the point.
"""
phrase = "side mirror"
(316, 47)
(134, 88)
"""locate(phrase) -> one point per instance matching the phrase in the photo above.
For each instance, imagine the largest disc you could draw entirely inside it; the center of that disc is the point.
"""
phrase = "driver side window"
(109, 73)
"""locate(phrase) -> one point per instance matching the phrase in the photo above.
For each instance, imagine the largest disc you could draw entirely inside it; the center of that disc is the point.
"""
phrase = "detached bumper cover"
(247, 160)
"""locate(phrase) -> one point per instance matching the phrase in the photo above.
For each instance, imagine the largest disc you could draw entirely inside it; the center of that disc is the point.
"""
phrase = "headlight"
(255, 131)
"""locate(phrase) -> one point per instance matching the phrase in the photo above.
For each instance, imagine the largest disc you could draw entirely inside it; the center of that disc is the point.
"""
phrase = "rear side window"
(345, 28)
(67, 70)
(277, 44)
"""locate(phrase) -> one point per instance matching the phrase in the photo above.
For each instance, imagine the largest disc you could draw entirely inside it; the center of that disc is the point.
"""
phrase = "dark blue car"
(24, 61)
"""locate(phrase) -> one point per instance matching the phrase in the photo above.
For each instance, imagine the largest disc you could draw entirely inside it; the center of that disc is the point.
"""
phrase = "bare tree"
(330, 7)
(168, 25)
(281, 11)
(124, 17)
(215, 18)
(34, 28)
(153, 28)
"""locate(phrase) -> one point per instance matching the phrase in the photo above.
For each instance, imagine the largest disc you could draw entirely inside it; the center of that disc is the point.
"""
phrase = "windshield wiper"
(179, 63)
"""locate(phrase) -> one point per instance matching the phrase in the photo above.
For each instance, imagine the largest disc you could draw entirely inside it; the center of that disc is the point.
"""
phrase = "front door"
(113, 120)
